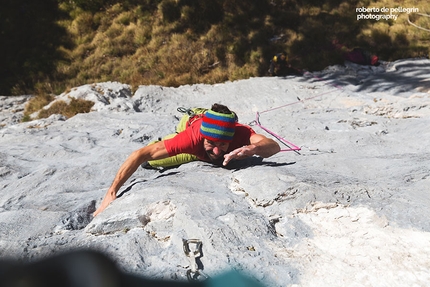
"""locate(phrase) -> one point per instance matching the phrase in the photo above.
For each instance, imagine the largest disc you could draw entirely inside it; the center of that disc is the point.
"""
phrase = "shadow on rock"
(253, 161)
(129, 187)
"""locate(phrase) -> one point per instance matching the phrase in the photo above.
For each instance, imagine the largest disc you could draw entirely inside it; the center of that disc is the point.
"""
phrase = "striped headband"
(218, 127)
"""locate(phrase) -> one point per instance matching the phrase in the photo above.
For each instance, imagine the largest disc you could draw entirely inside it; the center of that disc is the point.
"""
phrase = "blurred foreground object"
(93, 269)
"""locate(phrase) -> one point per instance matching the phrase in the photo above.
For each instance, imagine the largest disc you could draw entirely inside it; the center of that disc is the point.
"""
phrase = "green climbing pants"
(180, 158)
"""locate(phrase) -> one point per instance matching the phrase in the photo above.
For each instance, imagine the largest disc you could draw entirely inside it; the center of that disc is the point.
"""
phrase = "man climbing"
(214, 137)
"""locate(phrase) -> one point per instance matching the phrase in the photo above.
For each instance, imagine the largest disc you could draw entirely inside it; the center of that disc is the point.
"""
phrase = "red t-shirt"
(191, 141)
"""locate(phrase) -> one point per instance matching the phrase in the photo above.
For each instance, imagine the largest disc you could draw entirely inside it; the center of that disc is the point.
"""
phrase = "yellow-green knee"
(173, 160)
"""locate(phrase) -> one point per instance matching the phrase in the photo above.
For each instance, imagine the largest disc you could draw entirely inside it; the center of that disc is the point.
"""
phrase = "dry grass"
(75, 106)
(173, 43)
(37, 103)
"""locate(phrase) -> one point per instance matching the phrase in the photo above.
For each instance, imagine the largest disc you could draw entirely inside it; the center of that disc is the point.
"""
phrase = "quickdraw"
(183, 110)
(194, 273)
(192, 115)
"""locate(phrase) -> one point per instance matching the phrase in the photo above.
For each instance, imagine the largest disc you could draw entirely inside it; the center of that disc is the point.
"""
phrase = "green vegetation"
(49, 46)
(36, 104)
(68, 110)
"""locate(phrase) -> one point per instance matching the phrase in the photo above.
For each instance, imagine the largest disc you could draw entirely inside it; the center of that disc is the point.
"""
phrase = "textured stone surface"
(350, 209)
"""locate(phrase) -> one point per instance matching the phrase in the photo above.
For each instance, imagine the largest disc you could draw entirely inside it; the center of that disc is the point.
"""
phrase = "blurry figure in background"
(362, 57)
(356, 55)
(279, 66)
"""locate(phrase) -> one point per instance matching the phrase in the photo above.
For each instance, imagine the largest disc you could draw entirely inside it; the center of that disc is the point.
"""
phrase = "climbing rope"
(291, 146)
(257, 122)
(194, 273)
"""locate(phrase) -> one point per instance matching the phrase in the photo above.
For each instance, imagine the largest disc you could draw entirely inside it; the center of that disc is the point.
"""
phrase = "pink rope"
(299, 101)
(291, 146)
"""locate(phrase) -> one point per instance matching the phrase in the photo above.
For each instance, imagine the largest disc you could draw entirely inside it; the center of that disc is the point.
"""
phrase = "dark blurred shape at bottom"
(86, 268)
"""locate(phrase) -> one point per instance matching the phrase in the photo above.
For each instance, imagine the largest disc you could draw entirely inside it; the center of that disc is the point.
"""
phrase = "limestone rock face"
(349, 208)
